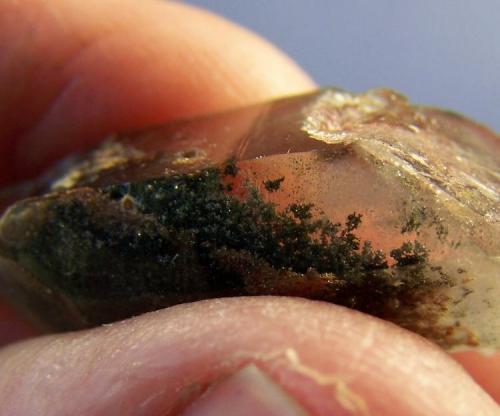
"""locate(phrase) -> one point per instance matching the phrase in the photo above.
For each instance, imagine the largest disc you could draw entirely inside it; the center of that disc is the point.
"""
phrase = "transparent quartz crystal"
(360, 200)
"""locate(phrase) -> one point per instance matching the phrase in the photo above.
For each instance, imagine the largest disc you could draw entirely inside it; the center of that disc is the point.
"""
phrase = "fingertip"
(73, 72)
(484, 369)
(329, 359)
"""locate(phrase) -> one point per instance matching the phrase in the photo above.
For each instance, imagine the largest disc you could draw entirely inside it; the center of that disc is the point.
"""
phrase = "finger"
(485, 369)
(72, 72)
(314, 358)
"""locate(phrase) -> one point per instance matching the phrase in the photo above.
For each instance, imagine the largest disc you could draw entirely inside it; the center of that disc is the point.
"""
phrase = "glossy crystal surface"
(360, 200)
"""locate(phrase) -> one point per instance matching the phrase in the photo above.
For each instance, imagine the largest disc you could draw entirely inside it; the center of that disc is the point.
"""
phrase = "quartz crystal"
(360, 200)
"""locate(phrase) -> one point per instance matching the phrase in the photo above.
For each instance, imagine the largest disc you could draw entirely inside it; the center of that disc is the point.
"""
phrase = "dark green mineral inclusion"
(189, 234)
(420, 216)
(273, 185)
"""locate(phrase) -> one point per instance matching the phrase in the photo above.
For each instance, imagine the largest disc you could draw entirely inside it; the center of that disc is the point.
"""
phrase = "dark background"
(438, 52)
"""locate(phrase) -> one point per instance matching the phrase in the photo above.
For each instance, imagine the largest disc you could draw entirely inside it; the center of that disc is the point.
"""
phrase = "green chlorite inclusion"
(359, 200)
(196, 235)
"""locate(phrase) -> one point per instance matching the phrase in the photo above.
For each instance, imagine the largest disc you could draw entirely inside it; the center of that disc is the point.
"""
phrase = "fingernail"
(247, 392)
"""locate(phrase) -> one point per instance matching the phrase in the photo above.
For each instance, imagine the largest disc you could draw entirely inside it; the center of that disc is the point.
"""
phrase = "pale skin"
(72, 72)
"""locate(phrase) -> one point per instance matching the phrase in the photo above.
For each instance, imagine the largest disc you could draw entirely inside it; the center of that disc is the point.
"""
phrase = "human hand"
(71, 73)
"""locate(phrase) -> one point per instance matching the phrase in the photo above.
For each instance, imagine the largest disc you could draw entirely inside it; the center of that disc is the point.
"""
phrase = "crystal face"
(359, 200)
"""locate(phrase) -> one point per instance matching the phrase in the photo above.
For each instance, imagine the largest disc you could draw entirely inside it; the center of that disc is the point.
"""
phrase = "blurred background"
(443, 53)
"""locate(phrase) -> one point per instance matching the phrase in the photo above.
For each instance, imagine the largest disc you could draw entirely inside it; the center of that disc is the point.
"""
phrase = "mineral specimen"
(360, 200)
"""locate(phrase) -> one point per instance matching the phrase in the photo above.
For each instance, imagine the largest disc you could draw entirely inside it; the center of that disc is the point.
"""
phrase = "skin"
(72, 72)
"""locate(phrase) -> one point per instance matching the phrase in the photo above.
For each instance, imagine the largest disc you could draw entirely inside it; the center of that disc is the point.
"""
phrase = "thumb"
(241, 356)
